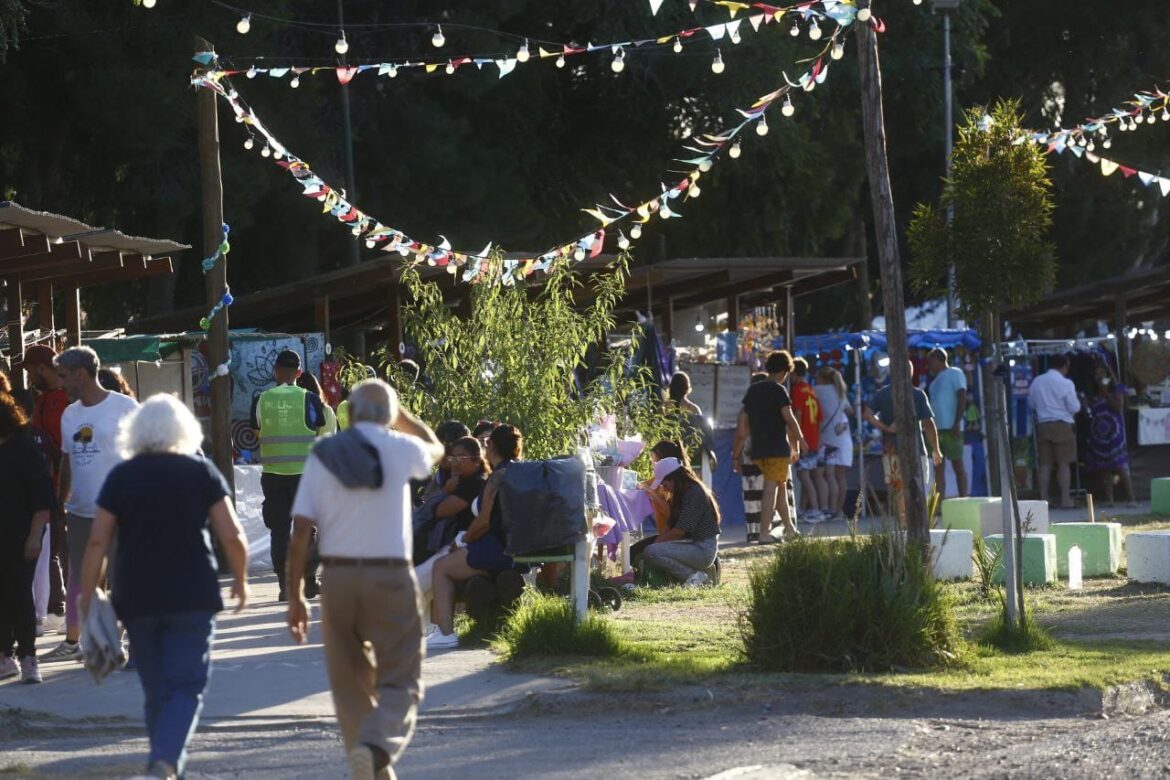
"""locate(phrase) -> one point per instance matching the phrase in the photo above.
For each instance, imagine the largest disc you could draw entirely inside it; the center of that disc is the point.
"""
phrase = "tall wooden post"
(216, 278)
(15, 329)
(72, 297)
(668, 322)
(882, 197)
(45, 319)
(789, 320)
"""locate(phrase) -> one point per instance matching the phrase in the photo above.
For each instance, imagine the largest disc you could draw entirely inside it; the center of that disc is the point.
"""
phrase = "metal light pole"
(946, 7)
(351, 188)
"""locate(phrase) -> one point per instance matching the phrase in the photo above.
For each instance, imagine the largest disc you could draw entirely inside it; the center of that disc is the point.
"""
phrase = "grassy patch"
(544, 626)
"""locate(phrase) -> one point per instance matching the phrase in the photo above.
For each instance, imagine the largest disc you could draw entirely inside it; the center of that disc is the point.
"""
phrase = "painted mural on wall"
(252, 359)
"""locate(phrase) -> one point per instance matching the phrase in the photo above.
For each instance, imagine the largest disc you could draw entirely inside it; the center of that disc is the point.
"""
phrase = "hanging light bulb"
(148, 3)
(838, 51)
(815, 32)
(734, 152)
(265, 152)
(277, 154)
(636, 232)
(623, 241)
(917, 2)
(450, 67)
(1140, 118)
(579, 254)
(244, 25)
(665, 211)
(699, 326)
(693, 191)
(296, 82)
(1091, 147)
(788, 109)
(342, 45)
(437, 40)
(795, 31)
(1108, 143)
(717, 65)
(705, 165)
(393, 73)
(522, 54)
(619, 61)
(1166, 114)
(369, 244)
(560, 61)
(762, 126)
(863, 14)
(677, 46)
(733, 34)
(251, 72)
(249, 143)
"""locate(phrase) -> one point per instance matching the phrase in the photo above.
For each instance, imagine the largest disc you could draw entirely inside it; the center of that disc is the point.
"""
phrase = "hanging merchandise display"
(477, 266)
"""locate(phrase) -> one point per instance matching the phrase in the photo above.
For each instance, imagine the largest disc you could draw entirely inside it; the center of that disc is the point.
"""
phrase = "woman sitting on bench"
(485, 539)
(690, 543)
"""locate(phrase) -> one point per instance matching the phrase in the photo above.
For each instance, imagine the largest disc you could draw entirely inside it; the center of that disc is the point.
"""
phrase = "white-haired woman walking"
(160, 503)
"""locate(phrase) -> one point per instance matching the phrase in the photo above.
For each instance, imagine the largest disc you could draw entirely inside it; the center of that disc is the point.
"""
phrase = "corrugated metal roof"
(56, 226)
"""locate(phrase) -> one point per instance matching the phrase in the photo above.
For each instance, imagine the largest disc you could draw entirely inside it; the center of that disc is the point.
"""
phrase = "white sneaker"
(441, 641)
(65, 651)
(696, 580)
(54, 624)
(8, 667)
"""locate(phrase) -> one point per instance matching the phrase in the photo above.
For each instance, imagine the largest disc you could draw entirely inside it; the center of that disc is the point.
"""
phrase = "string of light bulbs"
(1145, 107)
(809, 14)
(708, 148)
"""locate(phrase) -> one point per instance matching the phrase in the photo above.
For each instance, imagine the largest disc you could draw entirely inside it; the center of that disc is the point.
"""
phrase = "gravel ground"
(848, 733)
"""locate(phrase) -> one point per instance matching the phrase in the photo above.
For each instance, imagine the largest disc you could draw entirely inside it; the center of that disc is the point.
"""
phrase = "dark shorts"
(487, 554)
(951, 445)
(1056, 442)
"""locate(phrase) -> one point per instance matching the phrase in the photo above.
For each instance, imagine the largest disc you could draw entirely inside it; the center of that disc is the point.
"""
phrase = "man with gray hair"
(89, 429)
(355, 492)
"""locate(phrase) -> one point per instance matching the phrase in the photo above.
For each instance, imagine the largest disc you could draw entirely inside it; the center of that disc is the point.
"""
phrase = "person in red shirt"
(50, 403)
(814, 490)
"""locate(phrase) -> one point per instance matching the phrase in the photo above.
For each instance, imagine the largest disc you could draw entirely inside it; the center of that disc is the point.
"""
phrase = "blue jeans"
(173, 653)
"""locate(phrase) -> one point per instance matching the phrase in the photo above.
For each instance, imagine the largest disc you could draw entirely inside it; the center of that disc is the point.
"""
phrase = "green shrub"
(1026, 637)
(543, 625)
(848, 605)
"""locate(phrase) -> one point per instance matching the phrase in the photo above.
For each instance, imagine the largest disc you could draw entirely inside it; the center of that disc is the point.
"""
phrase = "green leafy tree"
(998, 239)
(518, 358)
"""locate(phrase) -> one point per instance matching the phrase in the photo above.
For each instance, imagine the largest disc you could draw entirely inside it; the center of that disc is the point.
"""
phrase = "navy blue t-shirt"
(164, 561)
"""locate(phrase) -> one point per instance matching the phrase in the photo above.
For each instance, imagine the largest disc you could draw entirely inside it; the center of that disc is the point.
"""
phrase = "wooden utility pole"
(882, 197)
(216, 278)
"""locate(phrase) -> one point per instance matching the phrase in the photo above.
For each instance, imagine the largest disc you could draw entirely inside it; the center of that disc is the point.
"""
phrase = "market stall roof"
(362, 295)
(876, 339)
(1141, 295)
(38, 246)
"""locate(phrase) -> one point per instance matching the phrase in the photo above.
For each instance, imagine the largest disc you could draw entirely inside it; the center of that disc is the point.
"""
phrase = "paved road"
(268, 715)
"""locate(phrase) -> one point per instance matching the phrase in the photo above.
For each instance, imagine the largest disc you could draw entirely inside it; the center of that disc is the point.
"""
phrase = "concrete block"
(1160, 495)
(978, 514)
(1148, 556)
(1100, 545)
(950, 553)
(1039, 552)
(1039, 510)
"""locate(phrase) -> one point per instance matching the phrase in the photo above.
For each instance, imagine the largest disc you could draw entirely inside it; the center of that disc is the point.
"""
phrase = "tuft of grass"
(544, 626)
(1026, 637)
(861, 604)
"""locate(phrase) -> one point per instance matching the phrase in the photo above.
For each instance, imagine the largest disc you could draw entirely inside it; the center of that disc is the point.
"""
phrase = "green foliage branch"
(516, 359)
(1002, 202)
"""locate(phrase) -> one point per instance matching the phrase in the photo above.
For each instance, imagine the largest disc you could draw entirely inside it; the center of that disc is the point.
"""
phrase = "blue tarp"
(876, 339)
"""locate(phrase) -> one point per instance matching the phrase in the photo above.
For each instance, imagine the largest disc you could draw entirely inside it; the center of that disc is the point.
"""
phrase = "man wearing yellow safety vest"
(289, 419)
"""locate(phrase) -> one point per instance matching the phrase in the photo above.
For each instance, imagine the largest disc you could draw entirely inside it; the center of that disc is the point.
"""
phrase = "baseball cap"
(38, 355)
(288, 359)
(663, 469)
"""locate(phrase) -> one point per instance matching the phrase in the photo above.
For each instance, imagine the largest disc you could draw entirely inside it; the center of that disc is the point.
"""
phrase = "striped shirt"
(696, 517)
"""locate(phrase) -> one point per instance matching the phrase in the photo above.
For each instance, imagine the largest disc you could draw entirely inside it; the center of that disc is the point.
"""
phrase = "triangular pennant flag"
(654, 6)
(1146, 178)
(345, 75)
(733, 30)
(717, 31)
(598, 243)
(1127, 171)
(278, 73)
(692, 4)
(1092, 158)
(506, 66)
(1108, 167)
(1165, 185)
(756, 20)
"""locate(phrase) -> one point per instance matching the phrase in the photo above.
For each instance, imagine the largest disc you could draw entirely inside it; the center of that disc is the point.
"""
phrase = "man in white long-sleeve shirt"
(1053, 399)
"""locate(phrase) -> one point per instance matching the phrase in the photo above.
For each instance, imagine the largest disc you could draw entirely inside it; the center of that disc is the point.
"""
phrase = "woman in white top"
(836, 437)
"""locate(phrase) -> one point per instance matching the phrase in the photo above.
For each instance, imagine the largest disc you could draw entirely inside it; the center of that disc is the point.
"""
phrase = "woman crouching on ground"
(691, 541)
(166, 585)
(484, 553)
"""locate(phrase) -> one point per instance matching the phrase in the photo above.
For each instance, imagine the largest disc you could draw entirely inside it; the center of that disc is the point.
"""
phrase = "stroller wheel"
(611, 597)
(595, 600)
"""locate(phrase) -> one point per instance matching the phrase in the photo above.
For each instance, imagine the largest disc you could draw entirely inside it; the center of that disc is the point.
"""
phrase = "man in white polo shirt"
(1053, 398)
(355, 491)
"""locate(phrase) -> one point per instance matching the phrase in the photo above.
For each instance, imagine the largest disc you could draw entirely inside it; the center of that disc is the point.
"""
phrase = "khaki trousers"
(373, 653)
